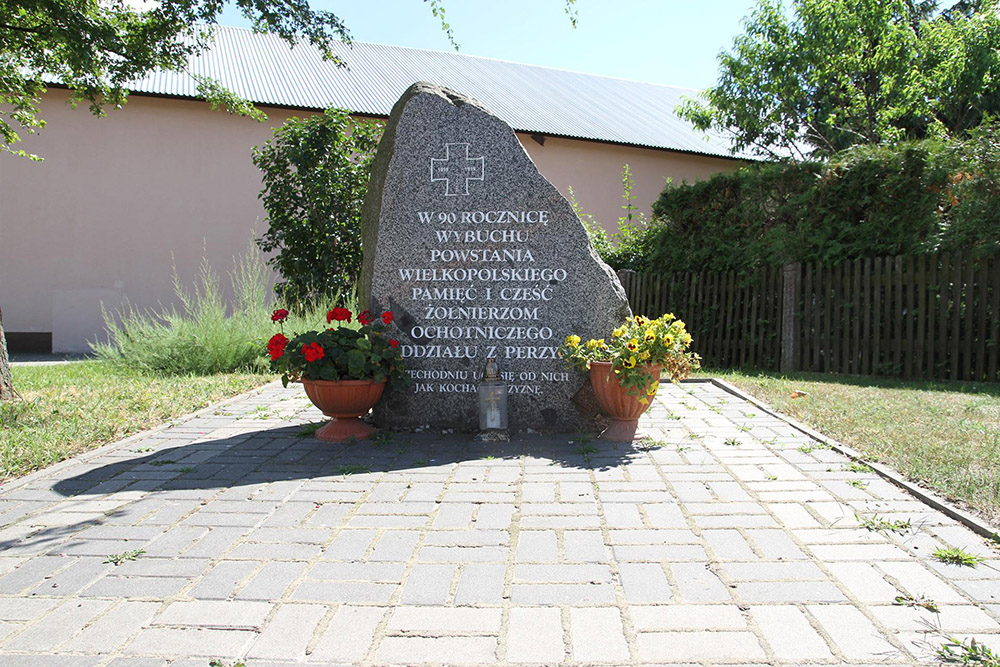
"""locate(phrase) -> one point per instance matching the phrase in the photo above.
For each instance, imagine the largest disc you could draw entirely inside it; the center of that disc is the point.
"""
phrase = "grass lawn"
(944, 435)
(70, 408)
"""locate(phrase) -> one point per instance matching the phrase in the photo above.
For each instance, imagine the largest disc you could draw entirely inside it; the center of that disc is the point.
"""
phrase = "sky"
(671, 42)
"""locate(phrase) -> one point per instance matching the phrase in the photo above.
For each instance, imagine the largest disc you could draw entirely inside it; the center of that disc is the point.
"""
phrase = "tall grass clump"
(204, 335)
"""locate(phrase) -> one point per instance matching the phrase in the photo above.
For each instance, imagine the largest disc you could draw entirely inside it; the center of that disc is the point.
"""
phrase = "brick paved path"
(734, 540)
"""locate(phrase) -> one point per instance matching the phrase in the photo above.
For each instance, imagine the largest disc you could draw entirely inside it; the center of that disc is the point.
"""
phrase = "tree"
(6, 380)
(315, 177)
(838, 73)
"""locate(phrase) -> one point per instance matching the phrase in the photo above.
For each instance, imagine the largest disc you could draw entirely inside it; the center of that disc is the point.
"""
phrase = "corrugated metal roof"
(265, 70)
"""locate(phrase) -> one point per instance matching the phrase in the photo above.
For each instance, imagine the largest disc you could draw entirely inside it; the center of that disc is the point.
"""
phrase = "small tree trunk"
(6, 380)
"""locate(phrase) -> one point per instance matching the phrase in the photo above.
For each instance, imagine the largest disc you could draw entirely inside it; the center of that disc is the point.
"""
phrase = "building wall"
(163, 183)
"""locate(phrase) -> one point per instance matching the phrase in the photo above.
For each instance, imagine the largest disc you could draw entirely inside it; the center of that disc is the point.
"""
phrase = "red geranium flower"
(339, 314)
(313, 352)
(365, 317)
(276, 346)
(393, 343)
(387, 316)
(279, 315)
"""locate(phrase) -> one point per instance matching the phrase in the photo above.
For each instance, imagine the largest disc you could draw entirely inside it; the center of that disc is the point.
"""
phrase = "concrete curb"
(930, 498)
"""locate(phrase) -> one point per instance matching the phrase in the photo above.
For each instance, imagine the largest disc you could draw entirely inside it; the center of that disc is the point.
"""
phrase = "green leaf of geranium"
(356, 363)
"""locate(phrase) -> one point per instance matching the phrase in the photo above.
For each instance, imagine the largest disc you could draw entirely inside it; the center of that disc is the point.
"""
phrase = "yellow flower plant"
(635, 346)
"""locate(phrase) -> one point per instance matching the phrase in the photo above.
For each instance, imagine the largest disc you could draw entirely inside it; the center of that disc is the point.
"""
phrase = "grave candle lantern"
(492, 399)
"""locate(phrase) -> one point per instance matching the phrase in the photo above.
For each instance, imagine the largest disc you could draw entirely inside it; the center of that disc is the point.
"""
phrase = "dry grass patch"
(70, 408)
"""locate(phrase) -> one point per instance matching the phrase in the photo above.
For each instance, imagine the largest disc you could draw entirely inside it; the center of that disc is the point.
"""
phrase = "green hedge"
(919, 197)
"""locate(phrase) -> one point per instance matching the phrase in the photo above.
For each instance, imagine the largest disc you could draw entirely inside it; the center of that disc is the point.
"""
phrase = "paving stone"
(288, 634)
(135, 587)
(790, 591)
(31, 574)
(395, 545)
(343, 591)
(78, 575)
(788, 632)
(462, 554)
(532, 573)
(698, 584)
(537, 545)
(427, 621)
(408, 650)
(660, 552)
(57, 626)
(853, 634)
(864, 582)
(555, 594)
(190, 641)
(644, 582)
(428, 584)
(481, 583)
(223, 579)
(959, 619)
(700, 646)
(535, 635)
(354, 571)
(48, 660)
(776, 545)
(25, 609)
(686, 617)
(584, 546)
(728, 544)
(773, 571)
(350, 544)
(211, 613)
(349, 635)
(113, 629)
(597, 635)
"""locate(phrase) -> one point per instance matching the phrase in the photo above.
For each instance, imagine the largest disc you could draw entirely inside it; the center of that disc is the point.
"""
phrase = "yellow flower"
(679, 324)
(668, 340)
(652, 389)
(619, 332)
(572, 340)
(667, 317)
(629, 363)
(640, 320)
(686, 339)
(650, 335)
(632, 345)
(644, 355)
(592, 344)
(600, 342)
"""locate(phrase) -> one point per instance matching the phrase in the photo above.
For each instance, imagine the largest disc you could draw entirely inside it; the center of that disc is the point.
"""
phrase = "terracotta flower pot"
(623, 409)
(346, 401)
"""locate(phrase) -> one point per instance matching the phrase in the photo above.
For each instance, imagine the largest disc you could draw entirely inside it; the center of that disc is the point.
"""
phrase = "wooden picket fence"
(924, 316)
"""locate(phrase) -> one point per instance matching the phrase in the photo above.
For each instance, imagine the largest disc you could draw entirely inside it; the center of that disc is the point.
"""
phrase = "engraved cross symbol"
(457, 168)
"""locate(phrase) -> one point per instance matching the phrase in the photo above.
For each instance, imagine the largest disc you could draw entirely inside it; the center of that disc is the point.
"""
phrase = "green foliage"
(957, 556)
(920, 601)
(315, 174)
(918, 197)
(837, 73)
(118, 559)
(360, 350)
(629, 247)
(967, 652)
(205, 335)
(96, 48)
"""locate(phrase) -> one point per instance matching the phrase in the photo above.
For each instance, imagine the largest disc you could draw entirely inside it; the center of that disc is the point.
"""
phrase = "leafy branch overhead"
(830, 74)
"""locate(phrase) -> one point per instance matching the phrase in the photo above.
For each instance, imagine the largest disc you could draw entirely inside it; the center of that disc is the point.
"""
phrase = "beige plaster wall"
(120, 200)
(594, 171)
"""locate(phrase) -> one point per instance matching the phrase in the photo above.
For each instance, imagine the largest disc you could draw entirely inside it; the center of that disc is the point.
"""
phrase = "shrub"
(315, 174)
(205, 335)
(916, 197)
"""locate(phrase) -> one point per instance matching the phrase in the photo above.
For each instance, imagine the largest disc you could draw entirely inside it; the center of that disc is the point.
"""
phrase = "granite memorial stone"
(478, 256)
